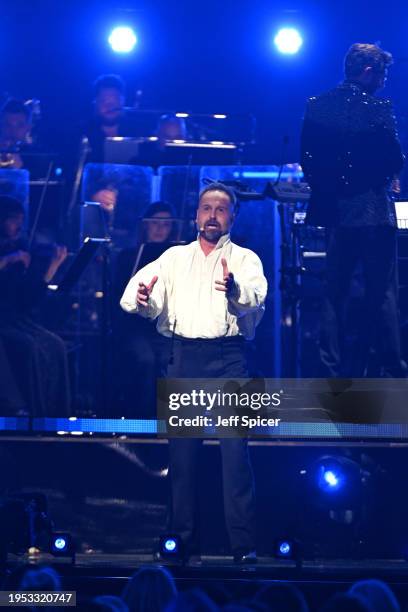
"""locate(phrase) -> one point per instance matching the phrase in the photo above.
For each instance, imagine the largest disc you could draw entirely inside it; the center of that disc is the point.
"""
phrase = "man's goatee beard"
(212, 238)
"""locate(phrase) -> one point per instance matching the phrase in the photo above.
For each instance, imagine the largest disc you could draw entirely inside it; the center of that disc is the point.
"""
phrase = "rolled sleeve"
(156, 301)
(252, 288)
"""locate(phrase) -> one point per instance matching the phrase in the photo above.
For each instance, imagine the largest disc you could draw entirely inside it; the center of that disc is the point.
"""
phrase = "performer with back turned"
(351, 157)
(209, 296)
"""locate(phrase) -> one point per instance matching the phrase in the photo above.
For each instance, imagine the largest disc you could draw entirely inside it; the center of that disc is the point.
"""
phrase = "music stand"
(82, 259)
(121, 149)
(150, 251)
(94, 236)
(92, 221)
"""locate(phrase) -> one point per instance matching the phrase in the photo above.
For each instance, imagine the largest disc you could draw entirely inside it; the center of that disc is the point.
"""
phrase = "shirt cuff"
(240, 303)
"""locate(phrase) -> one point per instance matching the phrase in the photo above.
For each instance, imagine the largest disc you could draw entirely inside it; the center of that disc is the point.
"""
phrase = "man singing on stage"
(209, 297)
(351, 157)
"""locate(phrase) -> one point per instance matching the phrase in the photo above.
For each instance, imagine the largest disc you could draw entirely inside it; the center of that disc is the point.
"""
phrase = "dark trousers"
(375, 249)
(220, 358)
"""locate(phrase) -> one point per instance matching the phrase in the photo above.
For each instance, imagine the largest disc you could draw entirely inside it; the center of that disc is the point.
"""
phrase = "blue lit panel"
(305, 431)
(14, 424)
(132, 186)
(310, 431)
(180, 186)
(270, 175)
(118, 426)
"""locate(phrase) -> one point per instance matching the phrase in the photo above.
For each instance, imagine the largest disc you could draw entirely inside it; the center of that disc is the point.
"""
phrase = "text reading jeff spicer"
(213, 401)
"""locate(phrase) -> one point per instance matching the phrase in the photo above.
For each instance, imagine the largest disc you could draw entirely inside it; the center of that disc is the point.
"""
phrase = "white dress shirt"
(185, 298)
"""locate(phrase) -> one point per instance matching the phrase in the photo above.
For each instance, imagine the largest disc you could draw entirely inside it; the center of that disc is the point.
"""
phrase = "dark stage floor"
(111, 496)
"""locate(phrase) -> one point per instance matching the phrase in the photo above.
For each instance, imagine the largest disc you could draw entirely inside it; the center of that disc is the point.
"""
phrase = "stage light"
(62, 545)
(170, 546)
(334, 482)
(285, 548)
(330, 477)
(122, 39)
(288, 41)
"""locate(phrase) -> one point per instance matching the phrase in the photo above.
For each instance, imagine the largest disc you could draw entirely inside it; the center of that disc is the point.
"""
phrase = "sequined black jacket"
(349, 153)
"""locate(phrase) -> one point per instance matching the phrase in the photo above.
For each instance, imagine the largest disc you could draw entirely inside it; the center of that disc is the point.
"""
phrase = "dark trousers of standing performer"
(375, 248)
(218, 358)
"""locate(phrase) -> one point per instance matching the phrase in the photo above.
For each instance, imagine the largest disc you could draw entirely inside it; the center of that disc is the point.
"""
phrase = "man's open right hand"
(144, 292)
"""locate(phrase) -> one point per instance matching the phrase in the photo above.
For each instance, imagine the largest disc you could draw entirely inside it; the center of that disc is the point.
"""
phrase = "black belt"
(220, 340)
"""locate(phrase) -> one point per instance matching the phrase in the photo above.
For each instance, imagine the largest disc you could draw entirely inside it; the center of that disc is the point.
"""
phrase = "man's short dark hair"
(362, 55)
(220, 187)
(13, 106)
(109, 81)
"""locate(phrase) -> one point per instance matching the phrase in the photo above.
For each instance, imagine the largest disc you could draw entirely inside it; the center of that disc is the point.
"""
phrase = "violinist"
(15, 134)
(36, 357)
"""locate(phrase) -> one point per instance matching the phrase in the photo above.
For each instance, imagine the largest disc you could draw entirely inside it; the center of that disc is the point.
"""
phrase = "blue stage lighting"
(170, 546)
(334, 482)
(122, 39)
(62, 544)
(285, 548)
(329, 478)
(288, 41)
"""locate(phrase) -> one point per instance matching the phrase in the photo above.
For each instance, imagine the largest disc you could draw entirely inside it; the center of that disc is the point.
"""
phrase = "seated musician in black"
(36, 358)
(19, 146)
(15, 128)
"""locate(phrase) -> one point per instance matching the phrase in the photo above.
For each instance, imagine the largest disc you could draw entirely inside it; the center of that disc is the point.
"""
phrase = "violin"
(42, 258)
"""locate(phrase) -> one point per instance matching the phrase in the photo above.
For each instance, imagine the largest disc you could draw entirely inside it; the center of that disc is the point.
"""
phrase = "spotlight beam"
(122, 39)
(288, 41)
